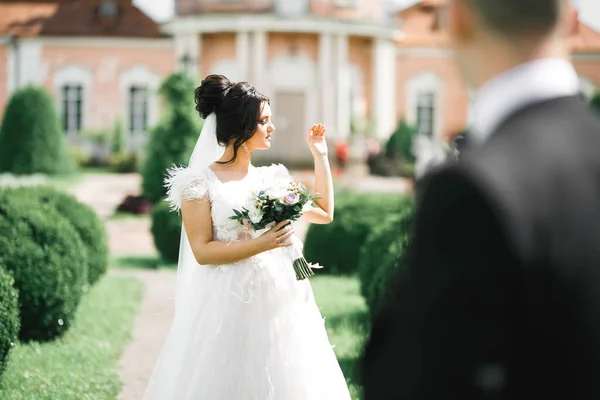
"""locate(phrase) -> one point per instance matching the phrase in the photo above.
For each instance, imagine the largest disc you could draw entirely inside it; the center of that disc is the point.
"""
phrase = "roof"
(585, 39)
(75, 18)
(421, 28)
(421, 25)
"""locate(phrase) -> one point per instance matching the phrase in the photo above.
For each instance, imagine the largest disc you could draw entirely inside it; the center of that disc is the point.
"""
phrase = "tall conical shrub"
(172, 140)
(118, 144)
(595, 101)
(31, 139)
(400, 142)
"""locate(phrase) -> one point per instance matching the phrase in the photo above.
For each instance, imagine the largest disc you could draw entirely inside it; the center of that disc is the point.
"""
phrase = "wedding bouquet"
(283, 199)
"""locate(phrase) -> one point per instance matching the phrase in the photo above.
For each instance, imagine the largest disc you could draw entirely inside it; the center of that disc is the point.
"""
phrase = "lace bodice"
(188, 183)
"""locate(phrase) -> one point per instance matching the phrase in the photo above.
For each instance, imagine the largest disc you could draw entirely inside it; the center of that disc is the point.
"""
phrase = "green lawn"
(346, 320)
(83, 364)
(141, 262)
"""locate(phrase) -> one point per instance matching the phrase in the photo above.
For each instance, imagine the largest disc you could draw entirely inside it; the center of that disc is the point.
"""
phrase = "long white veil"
(206, 151)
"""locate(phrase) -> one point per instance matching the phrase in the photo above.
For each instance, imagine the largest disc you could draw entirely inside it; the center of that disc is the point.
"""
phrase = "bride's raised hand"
(316, 140)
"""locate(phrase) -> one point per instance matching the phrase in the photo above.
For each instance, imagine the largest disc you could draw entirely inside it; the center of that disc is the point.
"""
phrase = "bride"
(244, 327)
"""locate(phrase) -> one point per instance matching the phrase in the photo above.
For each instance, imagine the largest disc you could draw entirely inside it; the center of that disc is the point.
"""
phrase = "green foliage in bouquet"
(274, 210)
(31, 140)
(274, 207)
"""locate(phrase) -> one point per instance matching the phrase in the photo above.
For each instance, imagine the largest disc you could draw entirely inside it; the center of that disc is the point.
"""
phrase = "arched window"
(72, 86)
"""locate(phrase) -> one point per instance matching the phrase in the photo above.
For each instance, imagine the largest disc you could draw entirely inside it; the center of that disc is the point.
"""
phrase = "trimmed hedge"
(337, 246)
(48, 261)
(10, 322)
(383, 254)
(83, 218)
(166, 231)
(31, 139)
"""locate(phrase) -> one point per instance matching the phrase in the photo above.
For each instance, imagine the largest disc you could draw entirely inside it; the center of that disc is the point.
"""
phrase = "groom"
(501, 299)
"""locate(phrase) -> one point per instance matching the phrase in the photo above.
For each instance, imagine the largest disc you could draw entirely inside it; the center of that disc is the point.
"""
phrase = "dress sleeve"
(183, 183)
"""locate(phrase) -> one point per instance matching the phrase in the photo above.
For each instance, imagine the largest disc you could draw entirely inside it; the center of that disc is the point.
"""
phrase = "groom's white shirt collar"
(528, 83)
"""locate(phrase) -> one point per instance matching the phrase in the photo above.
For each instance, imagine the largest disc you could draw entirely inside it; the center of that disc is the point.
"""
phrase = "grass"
(123, 216)
(141, 262)
(83, 364)
(346, 319)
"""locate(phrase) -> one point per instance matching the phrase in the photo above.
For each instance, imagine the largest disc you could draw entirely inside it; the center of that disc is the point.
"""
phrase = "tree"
(31, 140)
(172, 140)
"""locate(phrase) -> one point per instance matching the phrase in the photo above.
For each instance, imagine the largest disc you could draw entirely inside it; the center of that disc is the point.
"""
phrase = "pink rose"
(291, 198)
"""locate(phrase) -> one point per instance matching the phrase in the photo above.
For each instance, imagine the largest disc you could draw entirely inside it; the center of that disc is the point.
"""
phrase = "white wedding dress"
(249, 330)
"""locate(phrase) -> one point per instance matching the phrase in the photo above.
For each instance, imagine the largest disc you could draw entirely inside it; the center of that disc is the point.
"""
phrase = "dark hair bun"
(211, 93)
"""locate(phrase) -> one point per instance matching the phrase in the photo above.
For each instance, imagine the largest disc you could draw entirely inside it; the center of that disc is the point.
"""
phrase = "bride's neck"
(242, 160)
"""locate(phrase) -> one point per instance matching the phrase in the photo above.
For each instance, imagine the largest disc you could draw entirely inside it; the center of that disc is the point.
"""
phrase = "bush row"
(52, 247)
(369, 237)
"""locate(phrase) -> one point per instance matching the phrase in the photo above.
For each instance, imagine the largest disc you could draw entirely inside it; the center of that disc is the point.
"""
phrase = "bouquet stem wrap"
(301, 266)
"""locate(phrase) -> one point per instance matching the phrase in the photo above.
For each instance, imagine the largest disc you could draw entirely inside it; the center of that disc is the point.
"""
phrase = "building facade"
(351, 64)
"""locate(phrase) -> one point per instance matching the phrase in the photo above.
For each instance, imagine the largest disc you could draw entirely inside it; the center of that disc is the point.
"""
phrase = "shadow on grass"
(142, 262)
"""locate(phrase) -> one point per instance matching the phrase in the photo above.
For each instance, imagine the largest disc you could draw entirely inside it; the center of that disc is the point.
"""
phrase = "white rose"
(276, 192)
(280, 173)
(255, 215)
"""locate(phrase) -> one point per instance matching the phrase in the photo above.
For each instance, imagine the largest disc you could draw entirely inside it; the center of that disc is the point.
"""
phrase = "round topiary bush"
(382, 255)
(48, 261)
(337, 246)
(166, 230)
(31, 140)
(9, 317)
(84, 219)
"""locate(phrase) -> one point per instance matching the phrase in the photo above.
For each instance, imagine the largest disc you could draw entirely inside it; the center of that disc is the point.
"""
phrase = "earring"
(245, 147)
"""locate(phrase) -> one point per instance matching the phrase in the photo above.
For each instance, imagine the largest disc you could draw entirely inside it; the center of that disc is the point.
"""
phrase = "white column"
(11, 68)
(30, 62)
(326, 82)
(187, 45)
(24, 64)
(384, 87)
(259, 60)
(242, 44)
(343, 89)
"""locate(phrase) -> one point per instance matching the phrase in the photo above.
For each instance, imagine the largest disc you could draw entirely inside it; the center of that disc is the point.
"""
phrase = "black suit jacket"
(501, 299)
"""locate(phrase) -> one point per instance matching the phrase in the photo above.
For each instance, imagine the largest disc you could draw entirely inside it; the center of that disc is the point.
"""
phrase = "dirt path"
(151, 328)
(131, 237)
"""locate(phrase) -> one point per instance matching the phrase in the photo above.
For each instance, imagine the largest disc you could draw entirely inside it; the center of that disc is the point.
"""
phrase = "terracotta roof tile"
(585, 39)
(74, 18)
(25, 18)
(421, 28)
